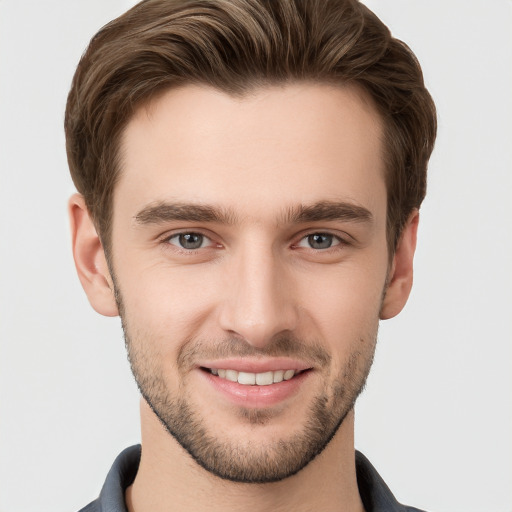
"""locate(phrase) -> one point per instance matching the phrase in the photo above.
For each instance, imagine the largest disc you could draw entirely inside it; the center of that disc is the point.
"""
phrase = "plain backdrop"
(436, 418)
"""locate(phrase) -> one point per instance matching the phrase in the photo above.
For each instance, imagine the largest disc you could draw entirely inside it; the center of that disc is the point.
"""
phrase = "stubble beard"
(250, 462)
(246, 461)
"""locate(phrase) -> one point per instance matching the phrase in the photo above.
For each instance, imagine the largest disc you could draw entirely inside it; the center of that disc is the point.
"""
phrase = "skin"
(256, 279)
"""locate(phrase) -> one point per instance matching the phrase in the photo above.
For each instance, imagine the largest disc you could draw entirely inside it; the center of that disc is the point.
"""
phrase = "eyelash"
(182, 250)
(340, 242)
(336, 241)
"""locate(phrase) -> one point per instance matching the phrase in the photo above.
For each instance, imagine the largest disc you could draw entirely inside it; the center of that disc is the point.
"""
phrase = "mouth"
(256, 383)
(254, 379)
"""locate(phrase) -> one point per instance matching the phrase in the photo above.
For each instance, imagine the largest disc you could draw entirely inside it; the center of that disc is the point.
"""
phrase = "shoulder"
(120, 476)
(375, 494)
(94, 506)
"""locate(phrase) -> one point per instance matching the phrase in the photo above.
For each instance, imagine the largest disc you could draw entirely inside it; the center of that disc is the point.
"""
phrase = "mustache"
(283, 346)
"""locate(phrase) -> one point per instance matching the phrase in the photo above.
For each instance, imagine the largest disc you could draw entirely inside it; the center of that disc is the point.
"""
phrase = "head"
(245, 45)
(251, 173)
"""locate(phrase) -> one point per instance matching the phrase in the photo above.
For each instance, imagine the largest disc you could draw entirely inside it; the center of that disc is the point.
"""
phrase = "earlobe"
(401, 272)
(90, 261)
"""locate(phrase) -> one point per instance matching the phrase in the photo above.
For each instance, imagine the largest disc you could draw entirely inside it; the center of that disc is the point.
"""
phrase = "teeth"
(278, 376)
(264, 379)
(247, 378)
(232, 375)
(288, 374)
(251, 379)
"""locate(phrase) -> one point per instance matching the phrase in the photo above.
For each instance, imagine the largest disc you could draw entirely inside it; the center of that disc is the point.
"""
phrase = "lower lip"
(256, 396)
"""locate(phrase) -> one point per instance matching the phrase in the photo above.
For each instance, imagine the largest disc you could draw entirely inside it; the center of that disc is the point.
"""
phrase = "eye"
(319, 241)
(189, 241)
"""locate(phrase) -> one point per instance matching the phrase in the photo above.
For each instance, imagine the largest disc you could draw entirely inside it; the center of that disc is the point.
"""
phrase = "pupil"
(191, 241)
(320, 241)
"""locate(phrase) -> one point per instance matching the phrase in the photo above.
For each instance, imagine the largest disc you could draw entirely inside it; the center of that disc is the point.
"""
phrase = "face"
(249, 259)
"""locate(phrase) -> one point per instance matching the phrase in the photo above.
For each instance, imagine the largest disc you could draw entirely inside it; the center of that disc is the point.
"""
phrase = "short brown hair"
(236, 46)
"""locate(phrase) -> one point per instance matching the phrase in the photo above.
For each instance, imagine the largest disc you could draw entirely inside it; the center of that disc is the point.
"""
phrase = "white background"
(436, 419)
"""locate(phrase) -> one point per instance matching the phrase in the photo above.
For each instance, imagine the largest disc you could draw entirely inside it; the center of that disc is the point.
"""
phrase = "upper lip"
(256, 365)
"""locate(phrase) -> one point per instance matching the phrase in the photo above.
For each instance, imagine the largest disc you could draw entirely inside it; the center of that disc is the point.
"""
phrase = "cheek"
(342, 307)
(169, 305)
(165, 303)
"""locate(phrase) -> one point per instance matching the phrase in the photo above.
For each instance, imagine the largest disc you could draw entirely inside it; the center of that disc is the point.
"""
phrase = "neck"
(168, 478)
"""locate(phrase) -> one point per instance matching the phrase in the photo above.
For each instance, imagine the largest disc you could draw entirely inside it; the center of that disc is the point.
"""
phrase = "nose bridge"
(258, 303)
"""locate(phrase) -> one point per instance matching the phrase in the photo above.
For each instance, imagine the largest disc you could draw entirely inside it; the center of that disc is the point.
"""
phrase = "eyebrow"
(328, 210)
(321, 211)
(167, 212)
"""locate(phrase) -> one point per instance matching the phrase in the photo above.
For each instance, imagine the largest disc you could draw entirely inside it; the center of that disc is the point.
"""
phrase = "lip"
(255, 397)
(256, 365)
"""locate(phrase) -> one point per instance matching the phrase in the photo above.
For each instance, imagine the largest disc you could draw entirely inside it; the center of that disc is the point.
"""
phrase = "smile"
(254, 379)
(255, 384)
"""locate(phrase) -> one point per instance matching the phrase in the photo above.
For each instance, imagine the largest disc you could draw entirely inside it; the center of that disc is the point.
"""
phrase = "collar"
(375, 494)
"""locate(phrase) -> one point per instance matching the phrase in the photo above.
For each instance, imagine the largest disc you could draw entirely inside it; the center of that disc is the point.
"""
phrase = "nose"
(258, 300)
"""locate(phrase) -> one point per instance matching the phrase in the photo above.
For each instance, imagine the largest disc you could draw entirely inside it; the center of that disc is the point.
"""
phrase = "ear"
(401, 272)
(90, 260)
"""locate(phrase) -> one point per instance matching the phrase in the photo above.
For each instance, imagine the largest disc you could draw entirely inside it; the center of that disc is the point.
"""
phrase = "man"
(249, 177)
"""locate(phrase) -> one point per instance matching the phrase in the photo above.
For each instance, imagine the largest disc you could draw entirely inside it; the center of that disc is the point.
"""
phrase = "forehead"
(271, 149)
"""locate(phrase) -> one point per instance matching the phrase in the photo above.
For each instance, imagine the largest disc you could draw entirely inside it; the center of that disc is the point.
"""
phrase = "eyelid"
(304, 242)
(166, 239)
(343, 239)
(204, 241)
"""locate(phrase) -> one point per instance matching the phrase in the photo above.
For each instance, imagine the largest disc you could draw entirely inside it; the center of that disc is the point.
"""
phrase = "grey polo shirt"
(375, 494)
